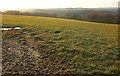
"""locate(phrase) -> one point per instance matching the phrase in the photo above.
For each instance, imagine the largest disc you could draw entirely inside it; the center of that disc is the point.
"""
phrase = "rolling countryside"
(44, 45)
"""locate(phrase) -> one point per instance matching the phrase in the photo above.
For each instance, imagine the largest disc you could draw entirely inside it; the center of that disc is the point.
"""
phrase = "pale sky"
(39, 4)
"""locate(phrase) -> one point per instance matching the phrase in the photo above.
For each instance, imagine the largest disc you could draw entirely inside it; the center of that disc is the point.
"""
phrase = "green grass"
(68, 46)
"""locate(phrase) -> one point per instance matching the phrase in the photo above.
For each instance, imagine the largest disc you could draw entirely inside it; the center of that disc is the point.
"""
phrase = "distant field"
(46, 45)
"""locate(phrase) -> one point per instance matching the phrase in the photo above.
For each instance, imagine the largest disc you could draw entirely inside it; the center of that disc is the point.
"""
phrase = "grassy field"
(46, 45)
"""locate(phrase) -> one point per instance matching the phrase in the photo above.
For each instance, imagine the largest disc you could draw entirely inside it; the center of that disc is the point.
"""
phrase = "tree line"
(84, 15)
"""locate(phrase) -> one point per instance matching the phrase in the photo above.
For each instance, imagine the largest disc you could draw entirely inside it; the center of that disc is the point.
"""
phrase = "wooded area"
(101, 16)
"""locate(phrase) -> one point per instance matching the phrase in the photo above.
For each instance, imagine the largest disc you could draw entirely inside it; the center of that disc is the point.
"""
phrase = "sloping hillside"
(46, 45)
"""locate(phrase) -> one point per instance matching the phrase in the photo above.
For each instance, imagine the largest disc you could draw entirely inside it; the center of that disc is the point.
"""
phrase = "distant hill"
(102, 15)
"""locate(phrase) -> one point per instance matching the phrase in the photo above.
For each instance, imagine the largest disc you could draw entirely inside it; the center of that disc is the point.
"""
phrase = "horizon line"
(58, 8)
